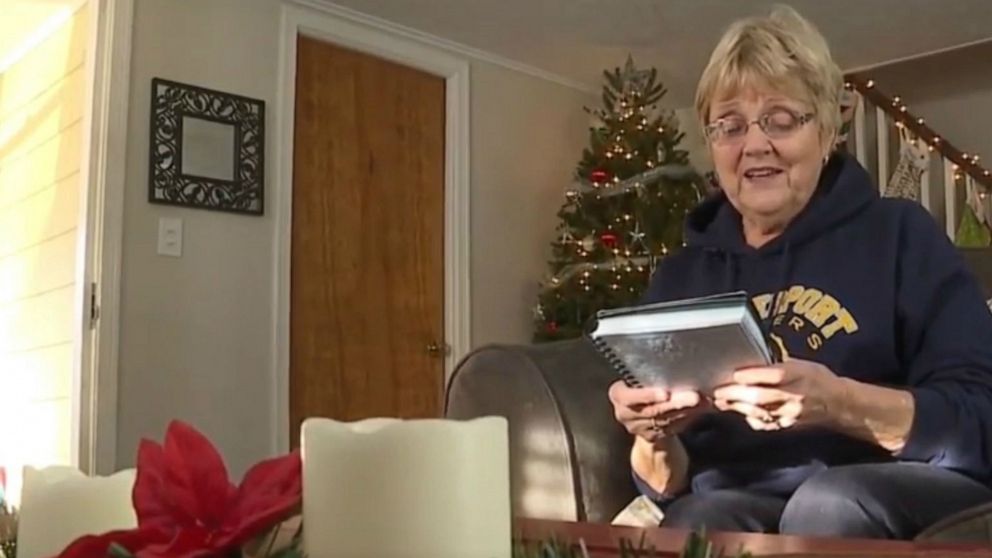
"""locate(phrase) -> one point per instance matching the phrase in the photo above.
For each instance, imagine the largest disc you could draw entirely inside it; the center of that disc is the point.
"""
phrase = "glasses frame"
(762, 121)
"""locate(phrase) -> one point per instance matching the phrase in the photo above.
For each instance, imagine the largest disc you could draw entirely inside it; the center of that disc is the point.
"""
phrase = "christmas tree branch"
(671, 171)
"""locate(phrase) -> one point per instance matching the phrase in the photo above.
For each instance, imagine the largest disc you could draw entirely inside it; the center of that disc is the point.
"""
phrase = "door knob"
(436, 349)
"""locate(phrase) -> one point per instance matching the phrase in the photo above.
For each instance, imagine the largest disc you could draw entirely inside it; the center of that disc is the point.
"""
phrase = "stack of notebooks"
(694, 344)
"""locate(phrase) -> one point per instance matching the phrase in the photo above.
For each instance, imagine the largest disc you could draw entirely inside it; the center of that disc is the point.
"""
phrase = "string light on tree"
(620, 217)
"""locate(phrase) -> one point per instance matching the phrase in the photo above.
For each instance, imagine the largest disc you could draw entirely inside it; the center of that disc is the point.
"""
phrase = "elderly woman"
(878, 422)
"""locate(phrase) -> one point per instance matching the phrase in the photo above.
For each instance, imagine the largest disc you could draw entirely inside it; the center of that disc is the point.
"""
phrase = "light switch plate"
(170, 237)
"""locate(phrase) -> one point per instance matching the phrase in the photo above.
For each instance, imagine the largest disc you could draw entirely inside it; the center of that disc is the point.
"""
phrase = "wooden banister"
(900, 114)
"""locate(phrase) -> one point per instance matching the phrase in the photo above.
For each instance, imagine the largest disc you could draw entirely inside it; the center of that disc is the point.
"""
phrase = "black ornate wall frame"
(172, 104)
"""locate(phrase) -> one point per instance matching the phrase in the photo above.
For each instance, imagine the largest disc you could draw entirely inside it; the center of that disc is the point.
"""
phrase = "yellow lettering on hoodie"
(789, 299)
(822, 310)
(844, 321)
(763, 304)
(807, 300)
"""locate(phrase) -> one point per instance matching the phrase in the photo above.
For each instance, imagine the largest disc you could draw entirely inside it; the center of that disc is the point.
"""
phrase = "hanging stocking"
(971, 233)
(848, 105)
(907, 178)
(973, 230)
(976, 202)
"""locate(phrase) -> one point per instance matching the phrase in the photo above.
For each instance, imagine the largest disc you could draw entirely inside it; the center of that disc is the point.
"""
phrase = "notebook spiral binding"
(615, 362)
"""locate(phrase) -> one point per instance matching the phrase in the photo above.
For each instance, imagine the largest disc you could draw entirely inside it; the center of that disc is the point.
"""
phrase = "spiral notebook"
(683, 344)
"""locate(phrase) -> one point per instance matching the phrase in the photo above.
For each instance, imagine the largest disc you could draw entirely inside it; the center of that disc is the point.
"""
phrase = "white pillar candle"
(426, 488)
(61, 504)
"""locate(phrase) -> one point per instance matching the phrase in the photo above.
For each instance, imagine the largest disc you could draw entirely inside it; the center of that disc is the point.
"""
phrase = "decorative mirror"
(206, 149)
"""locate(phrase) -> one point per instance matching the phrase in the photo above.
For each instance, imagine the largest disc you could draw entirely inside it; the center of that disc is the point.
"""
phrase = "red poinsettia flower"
(188, 508)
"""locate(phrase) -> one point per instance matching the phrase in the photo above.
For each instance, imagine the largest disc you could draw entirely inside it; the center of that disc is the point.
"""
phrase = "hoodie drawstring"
(785, 273)
(730, 282)
(730, 271)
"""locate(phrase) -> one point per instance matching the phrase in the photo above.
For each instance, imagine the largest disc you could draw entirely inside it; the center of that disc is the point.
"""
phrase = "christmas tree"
(633, 188)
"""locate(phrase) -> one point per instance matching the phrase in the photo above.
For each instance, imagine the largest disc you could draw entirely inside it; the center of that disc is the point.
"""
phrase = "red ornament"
(608, 239)
(552, 327)
(599, 176)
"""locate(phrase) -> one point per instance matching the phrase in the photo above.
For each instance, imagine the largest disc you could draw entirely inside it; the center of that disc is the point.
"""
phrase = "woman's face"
(768, 176)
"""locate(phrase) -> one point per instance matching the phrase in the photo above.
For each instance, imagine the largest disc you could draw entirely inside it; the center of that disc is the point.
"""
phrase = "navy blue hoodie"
(874, 290)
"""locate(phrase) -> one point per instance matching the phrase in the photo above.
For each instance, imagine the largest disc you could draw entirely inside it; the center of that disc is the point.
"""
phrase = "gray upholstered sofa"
(568, 455)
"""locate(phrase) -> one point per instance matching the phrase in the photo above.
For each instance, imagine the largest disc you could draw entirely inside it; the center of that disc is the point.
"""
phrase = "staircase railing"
(882, 128)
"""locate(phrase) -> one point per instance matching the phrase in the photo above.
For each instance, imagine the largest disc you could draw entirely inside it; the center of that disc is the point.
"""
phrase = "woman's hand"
(654, 413)
(793, 393)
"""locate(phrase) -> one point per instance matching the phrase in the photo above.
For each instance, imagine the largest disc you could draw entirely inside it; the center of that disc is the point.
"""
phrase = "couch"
(569, 457)
(568, 454)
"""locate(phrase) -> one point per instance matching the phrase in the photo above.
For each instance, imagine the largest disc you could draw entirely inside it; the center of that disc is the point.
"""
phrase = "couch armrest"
(973, 525)
(569, 458)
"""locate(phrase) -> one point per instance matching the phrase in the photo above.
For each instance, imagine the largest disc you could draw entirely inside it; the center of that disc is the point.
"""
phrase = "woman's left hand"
(793, 393)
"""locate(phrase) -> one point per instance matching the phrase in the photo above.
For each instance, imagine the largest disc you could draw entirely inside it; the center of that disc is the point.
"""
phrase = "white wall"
(42, 97)
(196, 331)
(527, 138)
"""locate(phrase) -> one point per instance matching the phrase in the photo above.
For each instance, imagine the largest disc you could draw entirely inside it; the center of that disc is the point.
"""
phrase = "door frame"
(95, 374)
(323, 20)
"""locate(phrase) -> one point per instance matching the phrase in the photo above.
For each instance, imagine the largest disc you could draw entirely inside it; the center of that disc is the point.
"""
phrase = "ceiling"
(22, 18)
(577, 39)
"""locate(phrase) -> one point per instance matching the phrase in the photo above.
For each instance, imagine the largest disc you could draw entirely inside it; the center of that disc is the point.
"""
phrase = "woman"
(879, 422)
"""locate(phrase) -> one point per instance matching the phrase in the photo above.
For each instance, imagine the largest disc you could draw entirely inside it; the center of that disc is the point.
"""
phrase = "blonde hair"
(783, 51)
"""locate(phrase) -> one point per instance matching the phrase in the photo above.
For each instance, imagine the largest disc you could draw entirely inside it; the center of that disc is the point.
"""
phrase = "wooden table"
(603, 541)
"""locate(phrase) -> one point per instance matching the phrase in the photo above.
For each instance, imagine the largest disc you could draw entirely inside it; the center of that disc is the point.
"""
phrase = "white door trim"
(322, 20)
(104, 150)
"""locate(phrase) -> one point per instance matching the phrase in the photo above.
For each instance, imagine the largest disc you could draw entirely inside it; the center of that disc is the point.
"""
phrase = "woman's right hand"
(654, 413)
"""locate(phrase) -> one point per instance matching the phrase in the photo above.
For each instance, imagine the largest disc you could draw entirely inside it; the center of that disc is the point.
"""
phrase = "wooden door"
(367, 238)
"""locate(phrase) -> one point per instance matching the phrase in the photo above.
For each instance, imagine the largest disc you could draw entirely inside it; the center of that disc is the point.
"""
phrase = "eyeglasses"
(777, 124)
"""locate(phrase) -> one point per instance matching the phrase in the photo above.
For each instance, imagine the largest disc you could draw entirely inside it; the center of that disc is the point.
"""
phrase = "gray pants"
(889, 500)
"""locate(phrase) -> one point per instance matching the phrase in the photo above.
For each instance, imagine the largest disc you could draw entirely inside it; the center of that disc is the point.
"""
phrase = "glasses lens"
(728, 129)
(780, 123)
